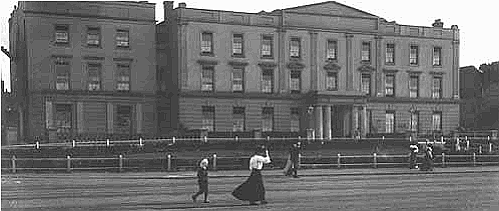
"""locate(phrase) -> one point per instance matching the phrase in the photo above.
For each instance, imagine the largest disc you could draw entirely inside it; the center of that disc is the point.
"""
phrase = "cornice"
(366, 68)
(267, 65)
(436, 73)
(207, 62)
(413, 72)
(332, 66)
(392, 71)
(238, 63)
(295, 65)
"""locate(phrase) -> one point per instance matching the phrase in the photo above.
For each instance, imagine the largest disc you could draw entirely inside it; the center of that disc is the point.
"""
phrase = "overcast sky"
(477, 20)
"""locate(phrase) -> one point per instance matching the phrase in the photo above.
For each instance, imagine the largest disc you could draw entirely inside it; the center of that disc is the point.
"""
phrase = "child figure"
(202, 181)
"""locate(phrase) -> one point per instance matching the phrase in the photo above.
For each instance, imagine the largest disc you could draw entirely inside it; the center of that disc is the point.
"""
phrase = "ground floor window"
(295, 119)
(63, 118)
(437, 121)
(390, 122)
(209, 118)
(124, 119)
(267, 119)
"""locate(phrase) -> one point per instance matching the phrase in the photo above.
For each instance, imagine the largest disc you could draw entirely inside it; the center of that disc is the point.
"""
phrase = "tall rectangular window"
(414, 121)
(390, 122)
(295, 48)
(436, 92)
(436, 121)
(238, 117)
(123, 82)
(414, 86)
(267, 119)
(63, 75)
(94, 77)
(332, 50)
(207, 43)
(63, 118)
(295, 81)
(437, 56)
(267, 46)
(390, 85)
(390, 53)
(208, 118)
(366, 52)
(238, 79)
(93, 37)
(61, 34)
(414, 55)
(332, 81)
(124, 119)
(208, 79)
(267, 81)
(122, 38)
(295, 119)
(237, 45)
(366, 83)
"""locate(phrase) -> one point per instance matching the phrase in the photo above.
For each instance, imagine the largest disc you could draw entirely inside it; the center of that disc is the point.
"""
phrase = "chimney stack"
(182, 5)
(438, 23)
(168, 9)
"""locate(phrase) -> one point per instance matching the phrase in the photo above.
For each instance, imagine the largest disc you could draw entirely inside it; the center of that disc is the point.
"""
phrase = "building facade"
(83, 69)
(471, 97)
(325, 68)
(489, 118)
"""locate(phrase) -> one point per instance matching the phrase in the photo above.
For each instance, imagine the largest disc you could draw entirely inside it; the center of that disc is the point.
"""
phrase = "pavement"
(266, 173)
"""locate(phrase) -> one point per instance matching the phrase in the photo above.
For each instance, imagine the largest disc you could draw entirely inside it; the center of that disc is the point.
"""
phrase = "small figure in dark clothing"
(202, 181)
(294, 155)
(413, 157)
(428, 161)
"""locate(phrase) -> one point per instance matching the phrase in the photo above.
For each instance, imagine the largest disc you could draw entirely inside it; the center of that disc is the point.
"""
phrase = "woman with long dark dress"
(252, 189)
(428, 161)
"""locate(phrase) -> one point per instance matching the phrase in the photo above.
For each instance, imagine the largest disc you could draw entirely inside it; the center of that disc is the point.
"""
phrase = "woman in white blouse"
(252, 189)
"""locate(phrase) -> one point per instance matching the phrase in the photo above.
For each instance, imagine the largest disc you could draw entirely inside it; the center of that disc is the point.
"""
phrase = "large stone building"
(84, 69)
(326, 68)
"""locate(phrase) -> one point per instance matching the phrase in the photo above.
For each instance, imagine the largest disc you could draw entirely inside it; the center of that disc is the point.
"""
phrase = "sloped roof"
(331, 8)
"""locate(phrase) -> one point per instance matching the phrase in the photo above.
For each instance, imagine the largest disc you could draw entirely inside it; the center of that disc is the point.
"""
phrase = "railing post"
(173, 139)
(339, 160)
(74, 143)
(375, 159)
(237, 138)
(37, 145)
(214, 162)
(140, 142)
(490, 147)
(443, 159)
(120, 163)
(68, 164)
(442, 139)
(107, 142)
(474, 159)
(205, 139)
(169, 162)
(13, 164)
(467, 145)
(480, 149)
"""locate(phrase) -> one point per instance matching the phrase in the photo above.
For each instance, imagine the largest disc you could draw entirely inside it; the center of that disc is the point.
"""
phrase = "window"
(267, 43)
(390, 85)
(413, 55)
(414, 86)
(61, 34)
(124, 119)
(267, 119)
(390, 54)
(123, 83)
(414, 121)
(93, 37)
(122, 39)
(332, 50)
(437, 88)
(295, 49)
(237, 45)
(436, 121)
(390, 122)
(366, 52)
(437, 56)
(267, 81)
(238, 116)
(63, 77)
(332, 81)
(295, 119)
(63, 118)
(366, 83)
(94, 77)
(208, 79)
(238, 79)
(207, 43)
(295, 81)
(208, 118)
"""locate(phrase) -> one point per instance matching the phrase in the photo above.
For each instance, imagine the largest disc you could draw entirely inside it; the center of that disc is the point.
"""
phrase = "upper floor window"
(61, 34)
(437, 56)
(208, 78)
(208, 118)
(332, 50)
(390, 53)
(366, 52)
(238, 116)
(94, 77)
(437, 88)
(207, 43)
(122, 38)
(62, 70)
(332, 81)
(295, 81)
(295, 119)
(267, 81)
(390, 85)
(93, 37)
(123, 82)
(295, 48)
(414, 86)
(366, 83)
(267, 49)
(124, 119)
(237, 45)
(267, 119)
(414, 55)
(238, 79)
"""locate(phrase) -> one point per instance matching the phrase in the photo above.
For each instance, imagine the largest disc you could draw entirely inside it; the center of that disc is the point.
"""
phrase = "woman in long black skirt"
(252, 189)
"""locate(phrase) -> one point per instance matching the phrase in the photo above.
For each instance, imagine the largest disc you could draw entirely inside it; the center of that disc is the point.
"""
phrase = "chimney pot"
(182, 5)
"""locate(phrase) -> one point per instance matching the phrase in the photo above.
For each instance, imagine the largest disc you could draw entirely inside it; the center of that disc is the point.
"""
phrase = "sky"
(476, 20)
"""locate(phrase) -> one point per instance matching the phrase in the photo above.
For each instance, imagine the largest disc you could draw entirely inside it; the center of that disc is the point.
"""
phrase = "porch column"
(327, 128)
(318, 121)
(364, 121)
(355, 119)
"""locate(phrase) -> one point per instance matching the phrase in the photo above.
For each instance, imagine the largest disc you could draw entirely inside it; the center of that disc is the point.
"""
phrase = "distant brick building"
(489, 118)
(327, 67)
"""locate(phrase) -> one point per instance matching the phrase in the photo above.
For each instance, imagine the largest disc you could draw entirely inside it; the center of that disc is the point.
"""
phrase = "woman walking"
(252, 189)
(202, 181)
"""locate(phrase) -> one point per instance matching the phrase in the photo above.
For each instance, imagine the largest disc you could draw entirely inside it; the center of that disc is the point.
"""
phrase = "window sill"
(365, 62)
(267, 57)
(437, 66)
(238, 56)
(207, 54)
(414, 65)
(295, 58)
(94, 46)
(65, 45)
(331, 60)
(390, 63)
(123, 48)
